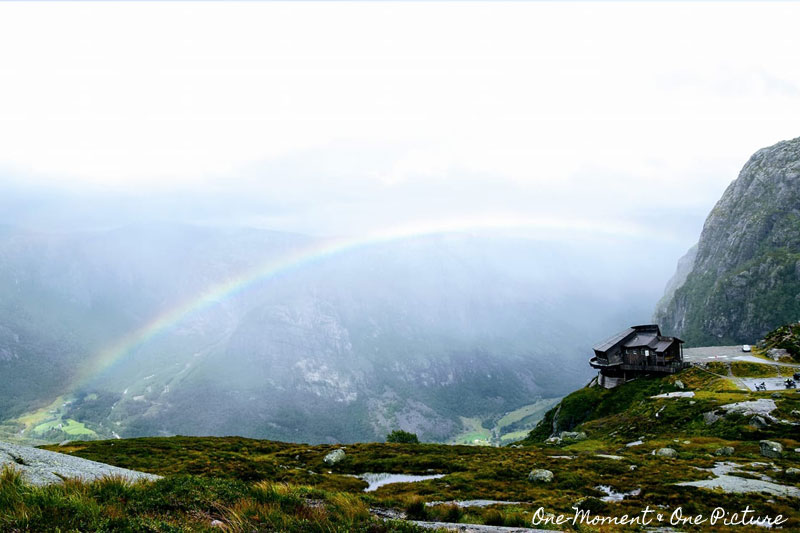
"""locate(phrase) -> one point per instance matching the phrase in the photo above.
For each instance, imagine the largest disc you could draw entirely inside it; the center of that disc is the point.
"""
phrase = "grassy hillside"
(183, 503)
(786, 337)
(257, 485)
(630, 411)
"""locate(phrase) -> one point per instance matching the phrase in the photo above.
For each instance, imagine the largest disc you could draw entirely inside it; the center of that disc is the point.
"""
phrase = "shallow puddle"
(378, 480)
(614, 496)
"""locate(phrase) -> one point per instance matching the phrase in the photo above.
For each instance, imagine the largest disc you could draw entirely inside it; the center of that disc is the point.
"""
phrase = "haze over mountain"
(410, 333)
(258, 221)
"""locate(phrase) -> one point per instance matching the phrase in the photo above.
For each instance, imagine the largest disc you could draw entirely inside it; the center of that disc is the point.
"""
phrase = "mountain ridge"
(744, 278)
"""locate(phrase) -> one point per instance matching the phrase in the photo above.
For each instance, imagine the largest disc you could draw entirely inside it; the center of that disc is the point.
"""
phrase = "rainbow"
(319, 251)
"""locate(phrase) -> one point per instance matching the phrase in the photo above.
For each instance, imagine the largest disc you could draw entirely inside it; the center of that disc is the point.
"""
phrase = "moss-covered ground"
(612, 419)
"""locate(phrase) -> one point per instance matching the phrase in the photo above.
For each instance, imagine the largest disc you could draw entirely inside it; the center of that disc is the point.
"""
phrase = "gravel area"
(42, 467)
(726, 354)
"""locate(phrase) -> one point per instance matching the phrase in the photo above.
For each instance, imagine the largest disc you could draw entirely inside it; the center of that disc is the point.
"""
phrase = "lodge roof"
(611, 341)
(648, 340)
(643, 336)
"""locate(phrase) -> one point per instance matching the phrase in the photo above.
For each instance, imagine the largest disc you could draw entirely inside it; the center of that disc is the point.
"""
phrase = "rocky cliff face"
(745, 277)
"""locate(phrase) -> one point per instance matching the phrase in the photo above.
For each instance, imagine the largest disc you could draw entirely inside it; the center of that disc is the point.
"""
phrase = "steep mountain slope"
(745, 276)
(410, 334)
(334, 352)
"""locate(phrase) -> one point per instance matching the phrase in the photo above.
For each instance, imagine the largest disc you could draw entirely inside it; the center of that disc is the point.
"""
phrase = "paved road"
(771, 384)
(725, 354)
(730, 354)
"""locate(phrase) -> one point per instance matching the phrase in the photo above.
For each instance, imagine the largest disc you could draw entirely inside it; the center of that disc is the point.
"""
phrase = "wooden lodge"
(636, 351)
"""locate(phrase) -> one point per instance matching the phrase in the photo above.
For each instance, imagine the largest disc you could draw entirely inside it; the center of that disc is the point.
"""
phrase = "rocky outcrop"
(334, 457)
(573, 435)
(724, 451)
(540, 476)
(771, 449)
(744, 278)
(41, 467)
(761, 407)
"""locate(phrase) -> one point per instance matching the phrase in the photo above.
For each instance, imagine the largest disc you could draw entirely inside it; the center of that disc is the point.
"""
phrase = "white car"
(745, 347)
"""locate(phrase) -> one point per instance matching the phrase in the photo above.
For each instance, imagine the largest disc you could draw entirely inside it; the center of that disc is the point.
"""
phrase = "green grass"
(68, 426)
(786, 337)
(473, 431)
(211, 475)
(514, 436)
(742, 369)
(238, 480)
(532, 410)
(511, 427)
(183, 503)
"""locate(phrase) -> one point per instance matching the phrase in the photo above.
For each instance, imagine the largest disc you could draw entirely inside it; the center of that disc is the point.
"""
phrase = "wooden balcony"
(598, 363)
(652, 366)
(664, 368)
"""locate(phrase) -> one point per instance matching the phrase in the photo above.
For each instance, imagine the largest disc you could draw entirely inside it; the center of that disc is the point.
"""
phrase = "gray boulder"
(725, 451)
(776, 353)
(762, 406)
(667, 452)
(334, 457)
(540, 475)
(573, 435)
(793, 471)
(710, 417)
(759, 422)
(678, 383)
(771, 449)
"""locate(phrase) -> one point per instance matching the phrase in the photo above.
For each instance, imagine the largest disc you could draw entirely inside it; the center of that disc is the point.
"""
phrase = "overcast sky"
(329, 118)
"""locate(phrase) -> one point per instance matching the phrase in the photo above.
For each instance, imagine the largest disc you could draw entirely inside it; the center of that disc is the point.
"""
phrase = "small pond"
(378, 480)
(473, 503)
(614, 496)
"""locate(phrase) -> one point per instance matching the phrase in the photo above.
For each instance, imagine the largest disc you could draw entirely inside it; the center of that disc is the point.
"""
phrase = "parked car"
(745, 347)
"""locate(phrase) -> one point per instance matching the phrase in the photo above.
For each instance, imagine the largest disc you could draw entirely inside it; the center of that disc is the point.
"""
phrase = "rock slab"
(42, 467)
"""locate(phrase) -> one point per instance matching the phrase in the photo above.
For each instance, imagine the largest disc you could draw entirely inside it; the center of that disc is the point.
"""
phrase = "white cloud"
(576, 103)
